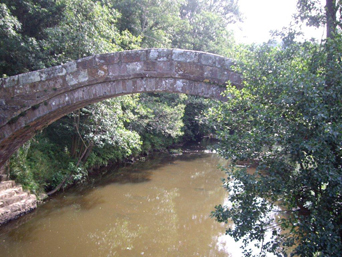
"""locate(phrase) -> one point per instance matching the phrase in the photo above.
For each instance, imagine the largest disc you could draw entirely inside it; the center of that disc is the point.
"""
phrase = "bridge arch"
(31, 101)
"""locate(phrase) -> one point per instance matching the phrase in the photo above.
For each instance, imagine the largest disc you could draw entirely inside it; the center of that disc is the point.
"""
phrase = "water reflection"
(120, 237)
(154, 208)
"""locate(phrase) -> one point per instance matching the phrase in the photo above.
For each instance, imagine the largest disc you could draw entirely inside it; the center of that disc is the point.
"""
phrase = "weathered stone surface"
(31, 101)
(10, 82)
(108, 59)
(133, 56)
(185, 56)
(160, 55)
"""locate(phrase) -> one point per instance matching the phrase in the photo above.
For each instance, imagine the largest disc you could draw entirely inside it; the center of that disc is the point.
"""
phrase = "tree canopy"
(286, 121)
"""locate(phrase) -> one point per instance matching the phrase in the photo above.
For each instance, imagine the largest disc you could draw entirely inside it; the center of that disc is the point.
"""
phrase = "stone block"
(77, 77)
(114, 70)
(179, 85)
(160, 55)
(52, 72)
(134, 67)
(184, 55)
(235, 78)
(227, 63)
(133, 56)
(9, 82)
(98, 72)
(127, 86)
(30, 77)
(118, 87)
(107, 59)
(211, 73)
(209, 60)
(150, 66)
(190, 70)
(223, 76)
(86, 62)
(166, 67)
(70, 67)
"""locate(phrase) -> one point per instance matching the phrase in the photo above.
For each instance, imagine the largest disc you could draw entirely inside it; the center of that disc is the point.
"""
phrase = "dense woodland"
(286, 120)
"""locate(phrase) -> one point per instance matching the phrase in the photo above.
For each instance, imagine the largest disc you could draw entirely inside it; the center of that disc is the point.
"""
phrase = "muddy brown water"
(160, 207)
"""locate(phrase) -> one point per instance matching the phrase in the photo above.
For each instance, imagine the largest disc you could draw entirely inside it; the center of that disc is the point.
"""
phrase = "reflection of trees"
(116, 238)
(125, 234)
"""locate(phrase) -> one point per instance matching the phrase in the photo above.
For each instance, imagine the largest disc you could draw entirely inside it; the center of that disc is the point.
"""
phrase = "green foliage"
(86, 28)
(155, 21)
(37, 166)
(19, 169)
(288, 121)
(104, 128)
(15, 48)
(36, 15)
(187, 24)
(43, 33)
(205, 25)
(96, 133)
(196, 123)
(157, 118)
(312, 12)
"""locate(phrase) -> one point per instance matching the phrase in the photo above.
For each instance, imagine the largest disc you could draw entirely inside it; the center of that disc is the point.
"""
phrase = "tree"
(71, 147)
(36, 15)
(187, 24)
(286, 120)
(158, 119)
(196, 123)
(154, 21)
(316, 14)
(86, 28)
(205, 25)
(37, 34)
(9, 27)
(21, 26)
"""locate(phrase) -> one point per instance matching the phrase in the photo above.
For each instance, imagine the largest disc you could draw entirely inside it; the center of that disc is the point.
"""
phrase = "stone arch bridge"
(31, 101)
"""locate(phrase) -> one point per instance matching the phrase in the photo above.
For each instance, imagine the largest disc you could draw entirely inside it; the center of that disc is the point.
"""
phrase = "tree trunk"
(331, 18)
(331, 25)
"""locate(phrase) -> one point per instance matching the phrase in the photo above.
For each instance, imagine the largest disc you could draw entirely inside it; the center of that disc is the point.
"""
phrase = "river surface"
(160, 207)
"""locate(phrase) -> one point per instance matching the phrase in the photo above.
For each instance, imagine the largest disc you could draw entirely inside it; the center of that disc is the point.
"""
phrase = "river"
(159, 207)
